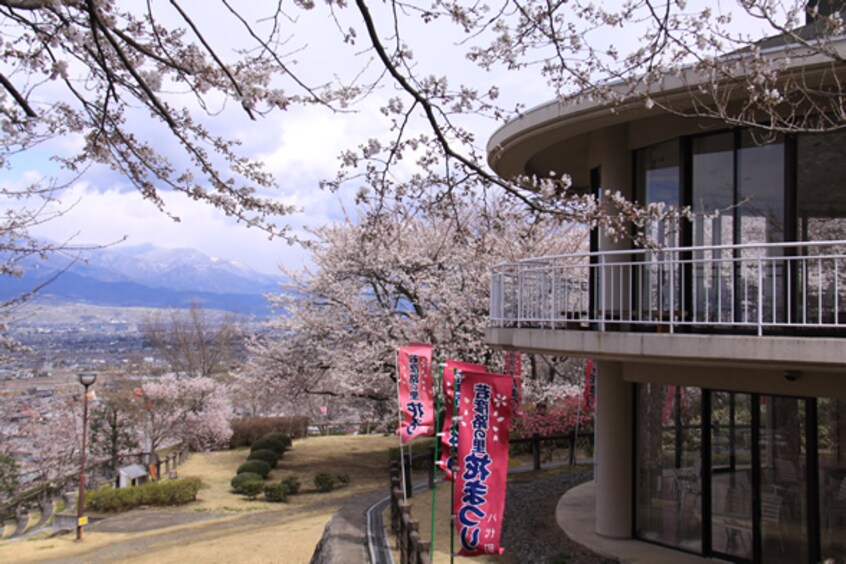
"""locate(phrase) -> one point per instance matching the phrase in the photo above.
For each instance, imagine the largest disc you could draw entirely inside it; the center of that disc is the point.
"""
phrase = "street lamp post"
(86, 379)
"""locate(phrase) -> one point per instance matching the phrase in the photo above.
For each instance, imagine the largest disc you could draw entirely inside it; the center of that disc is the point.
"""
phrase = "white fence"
(744, 287)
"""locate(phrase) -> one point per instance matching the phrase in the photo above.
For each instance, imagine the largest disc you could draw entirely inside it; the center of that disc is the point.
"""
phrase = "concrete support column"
(613, 451)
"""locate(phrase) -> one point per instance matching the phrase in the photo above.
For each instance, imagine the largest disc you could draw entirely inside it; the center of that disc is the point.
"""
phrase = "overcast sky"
(299, 146)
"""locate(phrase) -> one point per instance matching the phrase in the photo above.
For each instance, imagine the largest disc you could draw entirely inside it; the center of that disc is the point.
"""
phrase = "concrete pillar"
(613, 472)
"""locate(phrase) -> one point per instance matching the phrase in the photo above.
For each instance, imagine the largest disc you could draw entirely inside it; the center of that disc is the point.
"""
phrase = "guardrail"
(743, 287)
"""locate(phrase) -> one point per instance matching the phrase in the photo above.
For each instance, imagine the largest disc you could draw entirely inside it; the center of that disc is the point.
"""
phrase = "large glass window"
(669, 466)
(831, 444)
(713, 189)
(783, 474)
(821, 216)
(760, 187)
(761, 219)
(731, 474)
(713, 199)
(766, 483)
(820, 182)
(737, 192)
(658, 180)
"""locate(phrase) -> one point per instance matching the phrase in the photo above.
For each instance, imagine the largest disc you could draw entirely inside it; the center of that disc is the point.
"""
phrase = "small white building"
(132, 475)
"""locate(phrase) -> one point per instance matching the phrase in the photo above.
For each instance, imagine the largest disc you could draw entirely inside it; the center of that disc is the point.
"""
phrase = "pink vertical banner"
(482, 464)
(449, 439)
(414, 363)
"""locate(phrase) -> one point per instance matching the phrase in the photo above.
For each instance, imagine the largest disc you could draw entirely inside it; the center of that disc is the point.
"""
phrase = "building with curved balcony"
(720, 350)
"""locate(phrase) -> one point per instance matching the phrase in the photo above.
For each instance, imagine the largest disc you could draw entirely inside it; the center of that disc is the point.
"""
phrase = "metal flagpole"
(578, 418)
(399, 413)
(436, 389)
(453, 433)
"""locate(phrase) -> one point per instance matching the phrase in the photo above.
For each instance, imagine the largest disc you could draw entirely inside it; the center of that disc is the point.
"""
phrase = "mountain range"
(144, 276)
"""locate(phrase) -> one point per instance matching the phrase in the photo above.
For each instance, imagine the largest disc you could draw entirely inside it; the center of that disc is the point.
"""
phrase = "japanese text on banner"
(415, 392)
(449, 437)
(482, 463)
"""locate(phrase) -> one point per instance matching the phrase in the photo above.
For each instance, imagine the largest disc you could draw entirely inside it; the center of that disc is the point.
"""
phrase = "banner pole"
(578, 418)
(399, 429)
(453, 433)
(436, 385)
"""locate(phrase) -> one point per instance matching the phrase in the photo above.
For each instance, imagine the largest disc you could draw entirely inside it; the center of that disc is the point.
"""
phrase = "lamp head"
(87, 378)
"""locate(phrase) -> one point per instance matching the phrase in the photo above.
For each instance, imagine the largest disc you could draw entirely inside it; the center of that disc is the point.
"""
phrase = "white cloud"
(106, 216)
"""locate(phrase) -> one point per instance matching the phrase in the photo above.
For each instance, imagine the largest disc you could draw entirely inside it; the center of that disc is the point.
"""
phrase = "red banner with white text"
(448, 438)
(482, 462)
(414, 363)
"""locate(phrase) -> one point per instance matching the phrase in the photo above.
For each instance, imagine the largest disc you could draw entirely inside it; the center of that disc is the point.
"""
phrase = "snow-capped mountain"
(175, 269)
(146, 276)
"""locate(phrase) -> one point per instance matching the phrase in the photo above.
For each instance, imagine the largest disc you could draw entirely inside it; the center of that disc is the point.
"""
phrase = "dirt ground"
(221, 526)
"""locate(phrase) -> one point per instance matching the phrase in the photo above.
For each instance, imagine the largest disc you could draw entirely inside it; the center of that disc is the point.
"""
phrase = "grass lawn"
(288, 534)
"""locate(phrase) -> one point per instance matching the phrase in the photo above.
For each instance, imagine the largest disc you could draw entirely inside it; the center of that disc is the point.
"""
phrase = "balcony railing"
(735, 287)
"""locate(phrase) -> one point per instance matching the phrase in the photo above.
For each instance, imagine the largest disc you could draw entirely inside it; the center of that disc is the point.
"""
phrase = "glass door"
(783, 487)
(731, 471)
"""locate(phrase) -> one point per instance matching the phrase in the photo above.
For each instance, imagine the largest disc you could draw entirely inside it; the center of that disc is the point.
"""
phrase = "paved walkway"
(576, 515)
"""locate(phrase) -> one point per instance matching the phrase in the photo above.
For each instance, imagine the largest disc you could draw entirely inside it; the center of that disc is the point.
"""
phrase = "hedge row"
(168, 492)
(259, 467)
(248, 430)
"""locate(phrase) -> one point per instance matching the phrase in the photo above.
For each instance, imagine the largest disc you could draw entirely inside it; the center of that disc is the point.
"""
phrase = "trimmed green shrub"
(259, 467)
(269, 456)
(292, 483)
(168, 492)
(324, 482)
(284, 437)
(242, 478)
(248, 430)
(275, 492)
(343, 479)
(252, 488)
(269, 443)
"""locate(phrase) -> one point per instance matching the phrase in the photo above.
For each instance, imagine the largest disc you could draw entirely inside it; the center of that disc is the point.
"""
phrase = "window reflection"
(831, 443)
(669, 466)
(731, 474)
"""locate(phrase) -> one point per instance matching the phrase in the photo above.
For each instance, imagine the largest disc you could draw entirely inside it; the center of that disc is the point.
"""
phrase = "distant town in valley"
(91, 318)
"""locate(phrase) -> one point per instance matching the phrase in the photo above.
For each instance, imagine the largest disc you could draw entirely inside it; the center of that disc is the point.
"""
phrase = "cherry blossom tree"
(141, 88)
(256, 393)
(195, 410)
(412, 272)
(93, 70)
(54, 439)
(556, 418)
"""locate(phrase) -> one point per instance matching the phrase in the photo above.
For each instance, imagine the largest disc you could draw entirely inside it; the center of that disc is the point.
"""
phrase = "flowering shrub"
(556, 419)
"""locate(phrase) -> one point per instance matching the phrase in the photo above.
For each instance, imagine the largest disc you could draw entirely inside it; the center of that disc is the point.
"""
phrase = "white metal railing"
(752, 286)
